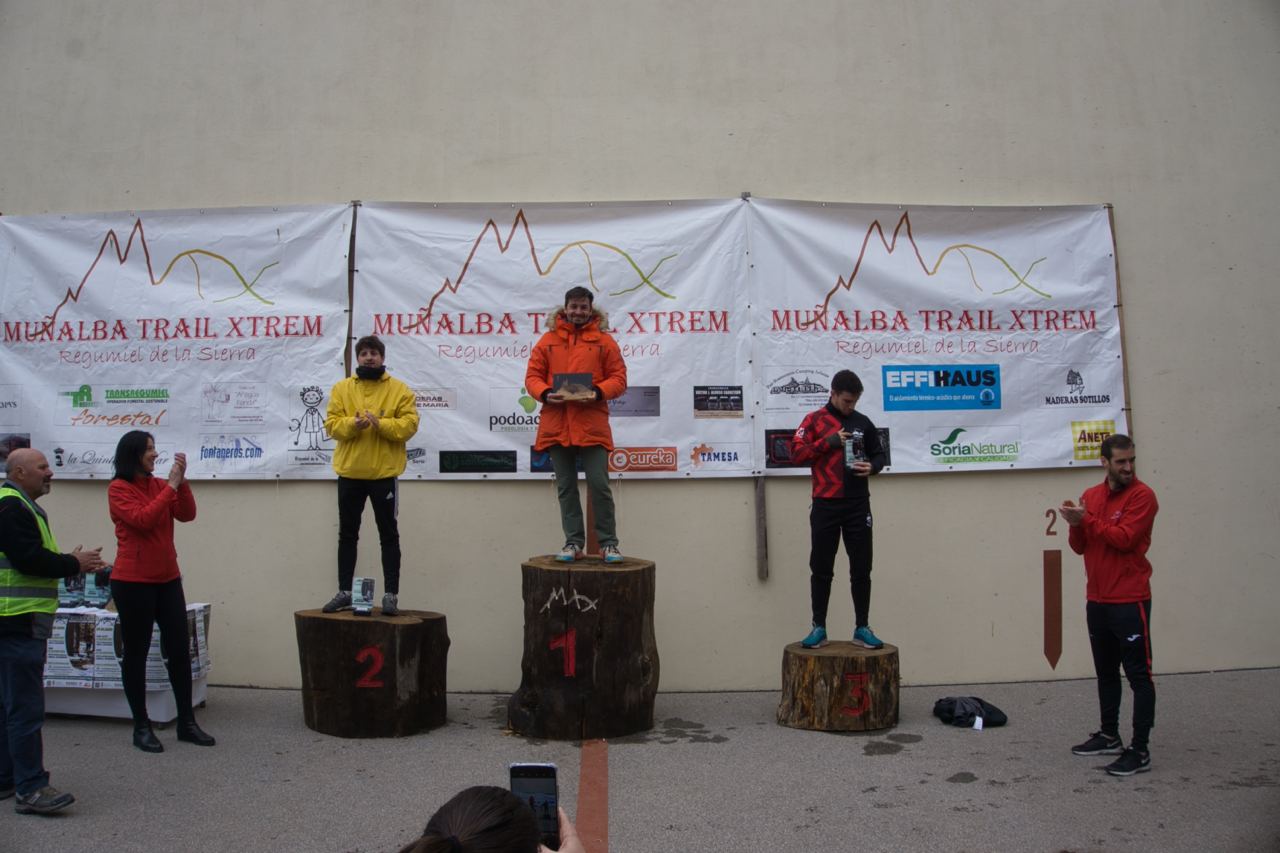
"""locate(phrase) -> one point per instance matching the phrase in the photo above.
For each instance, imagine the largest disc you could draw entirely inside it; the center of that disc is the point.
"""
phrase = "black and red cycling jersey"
(811, 446)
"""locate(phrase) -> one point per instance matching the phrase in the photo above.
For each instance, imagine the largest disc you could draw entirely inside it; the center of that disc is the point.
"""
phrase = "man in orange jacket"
(574, 369)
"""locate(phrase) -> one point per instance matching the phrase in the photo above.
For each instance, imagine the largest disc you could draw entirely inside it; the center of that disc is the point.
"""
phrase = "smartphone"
(536, 785)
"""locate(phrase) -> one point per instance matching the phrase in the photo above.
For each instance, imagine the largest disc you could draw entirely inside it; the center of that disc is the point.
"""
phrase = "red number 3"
(859, 694)
(373, 654)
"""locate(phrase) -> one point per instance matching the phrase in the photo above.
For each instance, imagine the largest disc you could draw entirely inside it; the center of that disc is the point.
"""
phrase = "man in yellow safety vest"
(30, 566)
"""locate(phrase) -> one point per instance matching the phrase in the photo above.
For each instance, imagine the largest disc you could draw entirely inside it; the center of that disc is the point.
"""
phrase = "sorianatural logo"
(953, 451)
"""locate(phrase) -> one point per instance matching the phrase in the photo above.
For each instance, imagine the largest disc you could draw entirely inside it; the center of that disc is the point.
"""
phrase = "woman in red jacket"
(146, 583)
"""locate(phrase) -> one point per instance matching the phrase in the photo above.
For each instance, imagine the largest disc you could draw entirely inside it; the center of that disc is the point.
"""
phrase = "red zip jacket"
(144, 511)
(809, 446)
(1113, 538)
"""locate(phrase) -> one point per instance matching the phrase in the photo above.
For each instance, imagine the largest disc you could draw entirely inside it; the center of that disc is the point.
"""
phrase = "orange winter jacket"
(568, 349)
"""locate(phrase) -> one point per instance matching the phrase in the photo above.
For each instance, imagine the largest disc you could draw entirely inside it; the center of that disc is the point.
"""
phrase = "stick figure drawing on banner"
(311, 422)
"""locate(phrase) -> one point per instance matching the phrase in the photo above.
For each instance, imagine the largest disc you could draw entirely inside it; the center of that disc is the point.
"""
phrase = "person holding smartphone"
(488, 819)
(146, 583)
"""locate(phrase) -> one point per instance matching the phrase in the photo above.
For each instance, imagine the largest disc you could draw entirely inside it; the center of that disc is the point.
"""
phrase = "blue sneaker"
(570, 552)
(611, 554)
(865, 637)
(817, 638)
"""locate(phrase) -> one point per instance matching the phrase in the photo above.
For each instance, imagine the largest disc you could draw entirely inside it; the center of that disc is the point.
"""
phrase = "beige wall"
(1165, 109)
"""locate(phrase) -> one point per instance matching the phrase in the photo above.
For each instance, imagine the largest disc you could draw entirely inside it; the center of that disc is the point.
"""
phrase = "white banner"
(985, 338)
(204, 328)
(461, 293)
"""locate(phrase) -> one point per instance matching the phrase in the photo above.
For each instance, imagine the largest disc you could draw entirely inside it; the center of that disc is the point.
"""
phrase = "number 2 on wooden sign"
(568, 642)
(858, 693)
(373, 654)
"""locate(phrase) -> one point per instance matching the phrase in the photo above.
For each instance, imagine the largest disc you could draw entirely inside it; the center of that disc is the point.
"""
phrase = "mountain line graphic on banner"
(122, 256)
(521, 223)
(904, 222)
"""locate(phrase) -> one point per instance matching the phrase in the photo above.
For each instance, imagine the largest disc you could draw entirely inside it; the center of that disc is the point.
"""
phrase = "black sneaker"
(1130, 761)
(45, 801)
(1099, 744)
(341, 601)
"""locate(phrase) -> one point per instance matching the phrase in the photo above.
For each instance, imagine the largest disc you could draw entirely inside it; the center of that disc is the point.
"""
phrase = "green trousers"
(595, 464)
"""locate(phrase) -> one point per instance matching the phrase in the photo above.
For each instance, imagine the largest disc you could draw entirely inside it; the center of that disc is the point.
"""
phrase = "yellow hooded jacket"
(371, 454)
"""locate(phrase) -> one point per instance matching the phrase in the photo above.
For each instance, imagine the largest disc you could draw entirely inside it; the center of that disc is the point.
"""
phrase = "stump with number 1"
(590, 662)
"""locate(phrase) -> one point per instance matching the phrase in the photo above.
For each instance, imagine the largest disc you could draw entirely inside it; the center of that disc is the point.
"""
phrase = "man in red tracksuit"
(843, 448)
(1111, 529)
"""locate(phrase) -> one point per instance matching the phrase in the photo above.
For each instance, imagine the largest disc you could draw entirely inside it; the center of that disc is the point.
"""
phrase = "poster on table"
(209, 329)
(985, 338)
(460, 294)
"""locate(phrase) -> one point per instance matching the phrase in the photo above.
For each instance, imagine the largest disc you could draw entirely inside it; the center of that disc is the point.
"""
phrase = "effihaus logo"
(931, 387)
(1076, 395)
(975, 445)
(512, 410)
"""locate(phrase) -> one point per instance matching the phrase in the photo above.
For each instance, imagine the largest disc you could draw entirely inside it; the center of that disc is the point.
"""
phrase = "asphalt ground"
(716, 773)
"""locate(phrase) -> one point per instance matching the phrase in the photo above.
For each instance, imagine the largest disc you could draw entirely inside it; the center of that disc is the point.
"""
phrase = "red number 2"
(858, 693)
(373, 654)
(568, 642)
(1052, 515)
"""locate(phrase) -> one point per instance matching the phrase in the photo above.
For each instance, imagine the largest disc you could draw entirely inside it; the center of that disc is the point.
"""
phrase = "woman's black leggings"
(140, 605)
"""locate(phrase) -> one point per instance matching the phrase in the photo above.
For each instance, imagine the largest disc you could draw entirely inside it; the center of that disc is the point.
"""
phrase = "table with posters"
(82, 671)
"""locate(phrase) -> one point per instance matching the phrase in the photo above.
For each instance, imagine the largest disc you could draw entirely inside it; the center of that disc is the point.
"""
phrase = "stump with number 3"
(839, 688)
(372, 676)
(590, 663)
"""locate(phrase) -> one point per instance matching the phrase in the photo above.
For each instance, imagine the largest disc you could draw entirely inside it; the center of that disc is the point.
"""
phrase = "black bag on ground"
(963, 710)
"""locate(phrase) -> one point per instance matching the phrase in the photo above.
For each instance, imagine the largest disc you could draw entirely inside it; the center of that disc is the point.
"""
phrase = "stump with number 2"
(839, 688)
(372, 676)
(590, 663)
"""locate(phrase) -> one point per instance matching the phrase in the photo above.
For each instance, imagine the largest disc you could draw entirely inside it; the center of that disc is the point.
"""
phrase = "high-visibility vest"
(21, 593)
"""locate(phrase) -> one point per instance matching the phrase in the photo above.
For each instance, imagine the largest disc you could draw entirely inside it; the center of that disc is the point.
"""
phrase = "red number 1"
(859, 693)
(568, 642)
(373, 654)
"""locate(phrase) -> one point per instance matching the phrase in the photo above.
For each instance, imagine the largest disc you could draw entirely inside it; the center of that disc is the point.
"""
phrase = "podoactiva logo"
(975, 445)
(636, 459)
(512, 410)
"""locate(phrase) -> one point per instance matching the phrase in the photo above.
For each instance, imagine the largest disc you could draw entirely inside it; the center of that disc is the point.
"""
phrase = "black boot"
(191, 733)
(145, 739)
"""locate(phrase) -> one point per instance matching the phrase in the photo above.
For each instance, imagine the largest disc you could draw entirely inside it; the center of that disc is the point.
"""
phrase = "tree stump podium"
(372, 676)
(839, 688)
(590, 664)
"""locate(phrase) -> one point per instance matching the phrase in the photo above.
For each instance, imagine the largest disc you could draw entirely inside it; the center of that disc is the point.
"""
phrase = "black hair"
(129, 452)
(371, 342)
(579, 292)
(846, 380)
(1115, 441)
(482, 819)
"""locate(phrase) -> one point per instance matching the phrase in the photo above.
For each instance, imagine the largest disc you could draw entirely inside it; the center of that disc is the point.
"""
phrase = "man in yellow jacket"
(371, 416)
(30, 566)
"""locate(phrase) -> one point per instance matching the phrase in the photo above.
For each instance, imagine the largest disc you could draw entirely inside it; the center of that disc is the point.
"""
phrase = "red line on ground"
(593, 796)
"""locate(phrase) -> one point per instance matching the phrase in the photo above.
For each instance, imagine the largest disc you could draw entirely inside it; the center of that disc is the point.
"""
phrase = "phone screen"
(536, 785)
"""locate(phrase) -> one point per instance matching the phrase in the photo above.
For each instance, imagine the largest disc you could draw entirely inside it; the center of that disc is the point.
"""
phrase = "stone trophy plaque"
(573, 387)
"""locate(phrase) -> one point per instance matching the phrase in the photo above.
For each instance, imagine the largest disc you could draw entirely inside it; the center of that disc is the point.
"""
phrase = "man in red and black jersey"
(842, 447)
(1111, 529)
